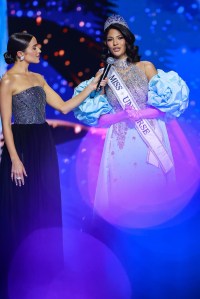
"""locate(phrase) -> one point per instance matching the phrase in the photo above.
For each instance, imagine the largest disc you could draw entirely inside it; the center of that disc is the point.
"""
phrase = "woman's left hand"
(18, 172)
(133, 114)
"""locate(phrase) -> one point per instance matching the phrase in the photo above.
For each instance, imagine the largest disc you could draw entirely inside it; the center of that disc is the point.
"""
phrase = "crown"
(115, 19)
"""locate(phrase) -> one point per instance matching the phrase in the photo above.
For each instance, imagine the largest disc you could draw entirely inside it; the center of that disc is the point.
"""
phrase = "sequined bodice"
(135, 80)
(28, 106)
(137, 83)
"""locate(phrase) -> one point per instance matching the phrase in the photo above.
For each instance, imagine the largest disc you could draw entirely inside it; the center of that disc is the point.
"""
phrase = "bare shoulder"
(148, 65)
(7, 87)
(7, 82)
(150, 69)
(39, 78)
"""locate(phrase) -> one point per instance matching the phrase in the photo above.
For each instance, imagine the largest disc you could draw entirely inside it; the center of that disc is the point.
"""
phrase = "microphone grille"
(110, 60)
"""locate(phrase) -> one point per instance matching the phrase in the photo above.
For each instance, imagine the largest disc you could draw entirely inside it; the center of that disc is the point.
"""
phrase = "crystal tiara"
(115, 19)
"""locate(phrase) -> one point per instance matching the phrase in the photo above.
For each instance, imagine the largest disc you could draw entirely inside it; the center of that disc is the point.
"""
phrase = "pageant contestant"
(137, 172)
(29, 177)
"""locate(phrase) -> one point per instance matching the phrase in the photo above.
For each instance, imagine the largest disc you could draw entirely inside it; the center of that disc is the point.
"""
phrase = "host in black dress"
(29, 176)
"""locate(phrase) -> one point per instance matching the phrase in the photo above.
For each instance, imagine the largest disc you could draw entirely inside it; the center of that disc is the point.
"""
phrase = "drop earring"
(21, 58)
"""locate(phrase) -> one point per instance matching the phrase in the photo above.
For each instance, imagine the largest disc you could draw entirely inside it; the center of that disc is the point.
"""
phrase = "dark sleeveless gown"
(37, 204)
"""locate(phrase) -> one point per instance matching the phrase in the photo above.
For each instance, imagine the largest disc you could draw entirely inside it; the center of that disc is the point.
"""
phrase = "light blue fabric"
(168, 93)
(91, 108)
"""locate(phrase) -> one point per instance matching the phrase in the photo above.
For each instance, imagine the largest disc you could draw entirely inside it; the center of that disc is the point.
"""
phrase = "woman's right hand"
(18, 172)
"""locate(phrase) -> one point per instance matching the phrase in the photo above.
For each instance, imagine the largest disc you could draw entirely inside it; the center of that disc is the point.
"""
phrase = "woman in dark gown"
(29, 176)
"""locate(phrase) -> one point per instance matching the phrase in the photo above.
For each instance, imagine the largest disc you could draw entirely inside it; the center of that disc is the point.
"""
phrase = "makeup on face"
(116, 43)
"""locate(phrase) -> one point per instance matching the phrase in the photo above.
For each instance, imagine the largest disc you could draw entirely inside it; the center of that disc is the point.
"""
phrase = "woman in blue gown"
(137, 180)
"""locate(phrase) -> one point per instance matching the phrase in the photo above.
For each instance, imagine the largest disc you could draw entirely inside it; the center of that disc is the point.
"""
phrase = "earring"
(21, 58)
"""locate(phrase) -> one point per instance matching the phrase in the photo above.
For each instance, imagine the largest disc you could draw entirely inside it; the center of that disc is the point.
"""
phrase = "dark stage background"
(160, 262)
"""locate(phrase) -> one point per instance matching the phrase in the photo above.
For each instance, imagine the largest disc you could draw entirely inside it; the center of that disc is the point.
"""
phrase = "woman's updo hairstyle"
(17, 42)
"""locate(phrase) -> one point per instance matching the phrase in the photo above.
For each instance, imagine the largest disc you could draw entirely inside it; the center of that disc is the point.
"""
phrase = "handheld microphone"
(109, 62)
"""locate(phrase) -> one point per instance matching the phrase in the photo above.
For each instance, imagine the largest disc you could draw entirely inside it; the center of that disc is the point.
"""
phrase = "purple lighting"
(148, 204)
(86, 269)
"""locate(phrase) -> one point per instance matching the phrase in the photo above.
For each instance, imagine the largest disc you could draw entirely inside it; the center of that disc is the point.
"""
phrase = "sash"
(143, 126)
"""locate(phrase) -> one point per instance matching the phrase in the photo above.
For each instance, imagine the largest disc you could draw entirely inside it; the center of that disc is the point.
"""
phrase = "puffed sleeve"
(168, 93)
(92, 107)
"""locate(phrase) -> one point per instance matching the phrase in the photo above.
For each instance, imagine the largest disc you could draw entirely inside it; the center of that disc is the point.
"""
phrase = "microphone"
(109, 62)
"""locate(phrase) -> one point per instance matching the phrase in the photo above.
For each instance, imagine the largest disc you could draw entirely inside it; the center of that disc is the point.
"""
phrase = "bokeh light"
(42, 269)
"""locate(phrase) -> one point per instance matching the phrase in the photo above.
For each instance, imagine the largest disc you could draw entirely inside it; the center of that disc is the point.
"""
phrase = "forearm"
(69, 105)
(107, 120)
(149, 113)
(9, 141)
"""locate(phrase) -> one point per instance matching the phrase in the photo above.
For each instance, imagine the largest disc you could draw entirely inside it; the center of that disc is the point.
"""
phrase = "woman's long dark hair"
(17, 42)
(131, 49)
